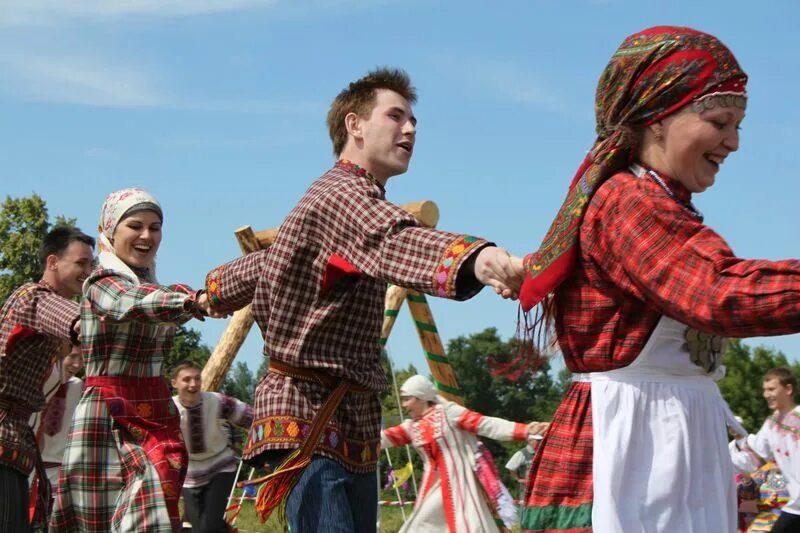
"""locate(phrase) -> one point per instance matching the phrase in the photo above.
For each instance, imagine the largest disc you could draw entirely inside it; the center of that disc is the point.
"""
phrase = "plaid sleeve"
(114, 297)
(236, 411)
(46, 312)
(485, 426)
(653, 249)
(231, 286)
(385, 242)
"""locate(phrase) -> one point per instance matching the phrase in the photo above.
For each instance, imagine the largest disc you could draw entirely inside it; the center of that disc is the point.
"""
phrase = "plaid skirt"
(125, 460)
(559, 490)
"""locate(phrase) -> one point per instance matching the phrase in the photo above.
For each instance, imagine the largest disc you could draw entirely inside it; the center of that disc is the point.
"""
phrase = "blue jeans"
(329, 499)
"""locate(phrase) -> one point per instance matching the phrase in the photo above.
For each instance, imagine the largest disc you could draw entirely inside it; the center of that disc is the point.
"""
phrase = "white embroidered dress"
(450, 498)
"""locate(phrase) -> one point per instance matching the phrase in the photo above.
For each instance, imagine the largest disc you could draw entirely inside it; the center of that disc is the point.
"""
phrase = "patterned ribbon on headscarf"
(117, 204)
(653, 74)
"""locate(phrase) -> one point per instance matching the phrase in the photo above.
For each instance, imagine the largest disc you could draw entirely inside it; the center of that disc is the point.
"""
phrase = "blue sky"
(218, 108)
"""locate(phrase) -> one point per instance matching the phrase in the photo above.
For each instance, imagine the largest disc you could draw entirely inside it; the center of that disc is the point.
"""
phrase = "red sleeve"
(652, 248)
(398, 435)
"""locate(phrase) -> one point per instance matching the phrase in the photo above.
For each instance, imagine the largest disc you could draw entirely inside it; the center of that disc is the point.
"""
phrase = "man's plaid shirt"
(318, 296)
(36, 324)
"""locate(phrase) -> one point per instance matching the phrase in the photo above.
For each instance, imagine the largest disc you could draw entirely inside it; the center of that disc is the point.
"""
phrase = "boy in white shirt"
(778, 440)
(212, 462)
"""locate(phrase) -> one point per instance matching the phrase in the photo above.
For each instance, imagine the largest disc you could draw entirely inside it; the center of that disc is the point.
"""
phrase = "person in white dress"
(460, 489)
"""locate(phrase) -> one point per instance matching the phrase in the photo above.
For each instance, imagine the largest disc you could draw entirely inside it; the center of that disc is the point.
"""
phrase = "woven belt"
(340, 388)
(10, 408)
(318, 376)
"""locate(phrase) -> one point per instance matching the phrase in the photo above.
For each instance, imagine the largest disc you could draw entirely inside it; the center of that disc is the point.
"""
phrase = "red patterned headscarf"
(653, 74)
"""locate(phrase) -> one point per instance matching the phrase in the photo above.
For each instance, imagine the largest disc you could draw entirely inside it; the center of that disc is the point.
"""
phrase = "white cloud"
(79, 80)
(38, 12)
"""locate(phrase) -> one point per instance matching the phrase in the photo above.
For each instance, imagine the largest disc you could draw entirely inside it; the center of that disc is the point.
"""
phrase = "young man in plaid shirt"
(318, 295)
(34, 323)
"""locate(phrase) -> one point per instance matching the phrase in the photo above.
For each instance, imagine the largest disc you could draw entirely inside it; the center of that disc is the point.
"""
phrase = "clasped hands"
(203, 305)
(504, 272)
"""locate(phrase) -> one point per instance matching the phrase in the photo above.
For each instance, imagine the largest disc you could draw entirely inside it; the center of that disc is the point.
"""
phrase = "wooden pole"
(239, 326)
(443, 376)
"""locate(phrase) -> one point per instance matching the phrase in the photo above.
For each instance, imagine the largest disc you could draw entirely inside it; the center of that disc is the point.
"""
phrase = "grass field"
(391, 520)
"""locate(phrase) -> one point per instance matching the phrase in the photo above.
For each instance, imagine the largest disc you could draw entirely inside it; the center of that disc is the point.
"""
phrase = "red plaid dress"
(318, 296)
(125, 459)
(36, 324)
(642, 255)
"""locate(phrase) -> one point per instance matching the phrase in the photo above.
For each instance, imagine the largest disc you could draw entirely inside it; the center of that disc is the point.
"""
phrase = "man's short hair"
(58, 239)
(784, 375)
(359, 98)
(183, 365)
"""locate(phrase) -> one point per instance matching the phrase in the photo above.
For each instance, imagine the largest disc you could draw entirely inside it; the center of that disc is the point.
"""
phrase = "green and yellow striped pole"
(394, 301)
(443, 376)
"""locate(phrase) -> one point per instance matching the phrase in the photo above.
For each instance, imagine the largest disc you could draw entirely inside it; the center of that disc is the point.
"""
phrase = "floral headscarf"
(653, 74)
(118, 204)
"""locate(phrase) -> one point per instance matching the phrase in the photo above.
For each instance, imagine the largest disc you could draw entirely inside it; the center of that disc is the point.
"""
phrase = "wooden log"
(236, 332)
(228, 346)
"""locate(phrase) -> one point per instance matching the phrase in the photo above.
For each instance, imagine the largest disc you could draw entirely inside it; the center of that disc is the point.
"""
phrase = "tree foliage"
(23, 224)
(239, 383)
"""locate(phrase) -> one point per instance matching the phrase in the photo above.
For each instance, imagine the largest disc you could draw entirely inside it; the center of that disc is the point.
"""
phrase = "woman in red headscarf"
(640, 293)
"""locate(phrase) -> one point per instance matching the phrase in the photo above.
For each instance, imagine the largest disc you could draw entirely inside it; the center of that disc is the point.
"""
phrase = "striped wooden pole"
(394, 300)
(443, 376)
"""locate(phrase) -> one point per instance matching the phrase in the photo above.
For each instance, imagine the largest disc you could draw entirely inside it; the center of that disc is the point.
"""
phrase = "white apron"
(661, 460)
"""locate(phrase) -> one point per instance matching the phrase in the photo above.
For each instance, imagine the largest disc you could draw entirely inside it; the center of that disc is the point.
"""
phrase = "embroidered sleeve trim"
(470, 421)
(213, 286)
(520, 431)
(444, 280)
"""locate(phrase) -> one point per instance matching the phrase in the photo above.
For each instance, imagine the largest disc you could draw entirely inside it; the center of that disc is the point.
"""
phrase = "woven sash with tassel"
(278, 485)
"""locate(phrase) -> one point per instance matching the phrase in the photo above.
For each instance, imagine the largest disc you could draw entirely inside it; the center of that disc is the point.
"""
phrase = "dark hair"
(58, 239)
(183, 364)
(784, 375)
(359, 98)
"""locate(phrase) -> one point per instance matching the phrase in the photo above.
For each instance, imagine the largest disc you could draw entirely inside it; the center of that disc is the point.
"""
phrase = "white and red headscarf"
(117, 206)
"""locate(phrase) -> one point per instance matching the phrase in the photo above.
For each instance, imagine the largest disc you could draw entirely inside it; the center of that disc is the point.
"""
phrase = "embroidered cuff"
(444, 281)
(213, 286)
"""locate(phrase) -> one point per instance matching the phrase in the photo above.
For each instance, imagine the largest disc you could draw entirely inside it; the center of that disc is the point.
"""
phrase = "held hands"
(496, 267)
(202, 306)
(537, 428)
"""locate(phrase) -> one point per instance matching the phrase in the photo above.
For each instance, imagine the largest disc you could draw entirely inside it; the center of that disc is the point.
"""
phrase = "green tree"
(741, 387)
(239, 383)
(531, 397)
(262, 368)
(188, 345)
(23, 224)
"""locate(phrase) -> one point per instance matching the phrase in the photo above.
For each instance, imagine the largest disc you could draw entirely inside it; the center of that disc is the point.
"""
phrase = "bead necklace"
(640, 172)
